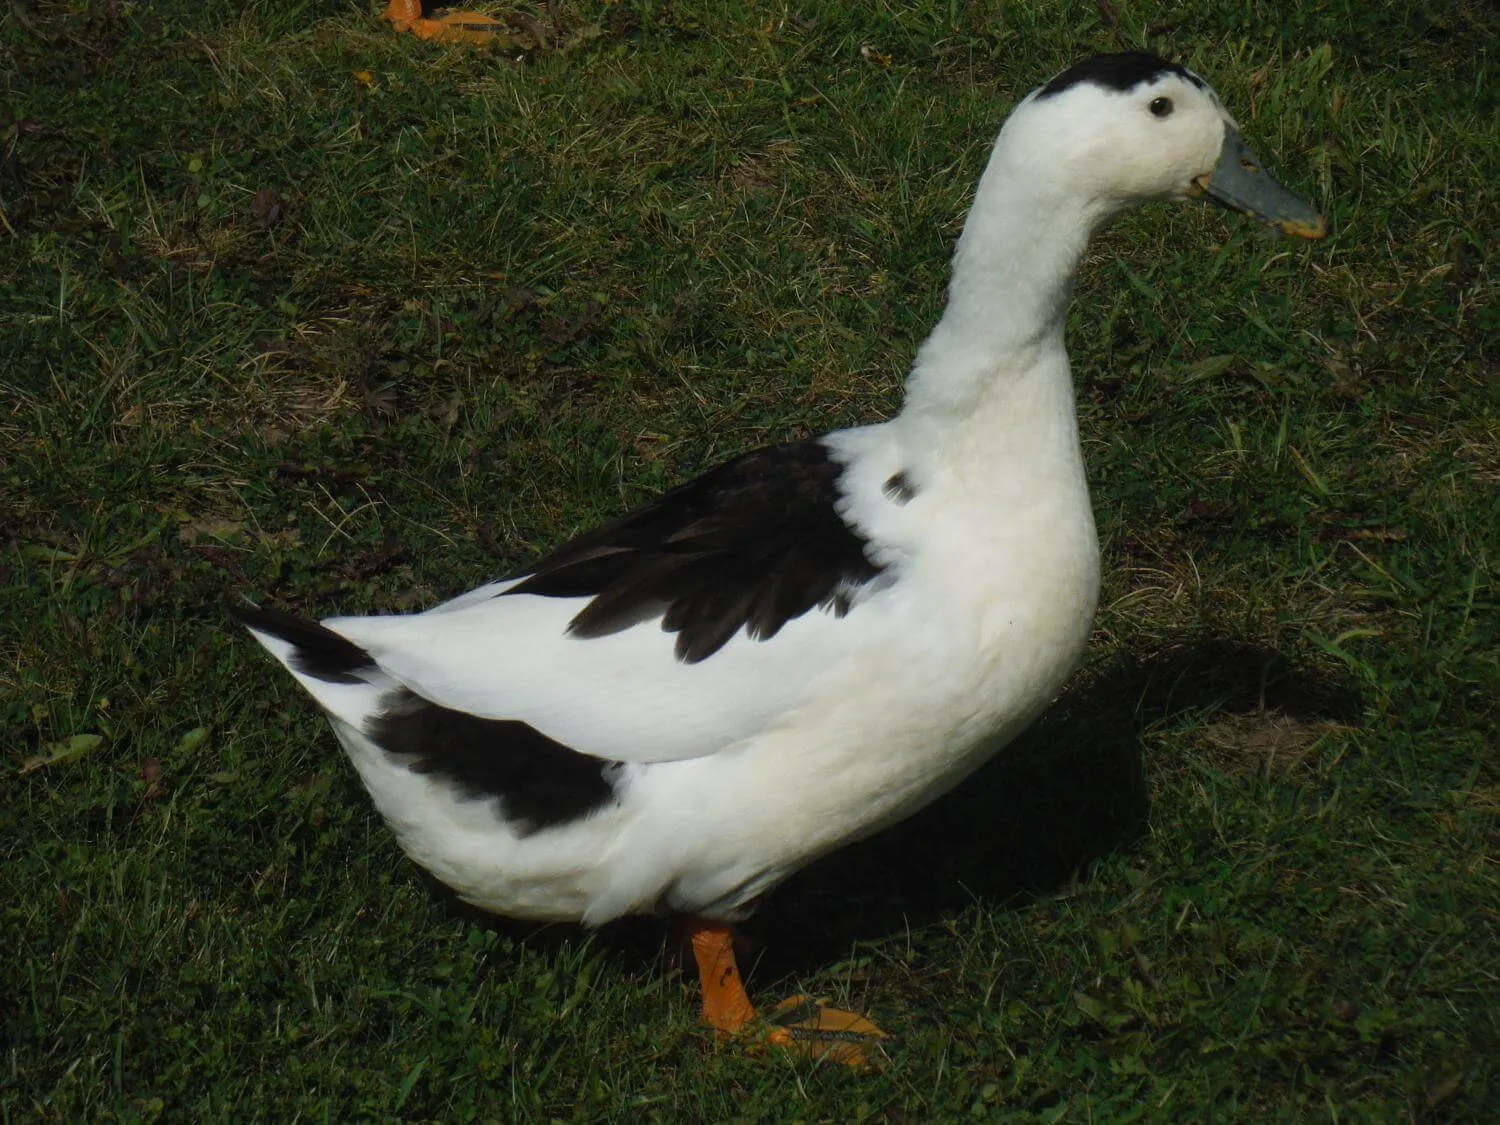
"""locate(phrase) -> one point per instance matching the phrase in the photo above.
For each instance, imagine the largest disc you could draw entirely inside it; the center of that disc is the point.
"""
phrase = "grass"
(298, 309)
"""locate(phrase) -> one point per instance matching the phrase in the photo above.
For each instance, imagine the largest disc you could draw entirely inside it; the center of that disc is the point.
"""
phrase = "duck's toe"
(810, 1027)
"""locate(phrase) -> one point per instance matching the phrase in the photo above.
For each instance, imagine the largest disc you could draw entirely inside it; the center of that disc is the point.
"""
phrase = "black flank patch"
(540, 783)
(1122, 72)
(751, 544)
(899, 487)
(321, 653)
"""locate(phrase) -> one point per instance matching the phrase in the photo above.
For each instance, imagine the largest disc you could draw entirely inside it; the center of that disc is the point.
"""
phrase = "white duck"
(680, 709)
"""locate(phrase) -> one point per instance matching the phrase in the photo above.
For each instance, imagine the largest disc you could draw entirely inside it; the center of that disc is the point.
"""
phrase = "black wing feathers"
(753, 543)
(538, 781)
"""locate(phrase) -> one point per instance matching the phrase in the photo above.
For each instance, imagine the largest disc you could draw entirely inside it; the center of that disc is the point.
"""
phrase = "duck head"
(1128, 128)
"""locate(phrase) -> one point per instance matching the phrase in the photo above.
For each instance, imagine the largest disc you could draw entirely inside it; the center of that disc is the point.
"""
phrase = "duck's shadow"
(1068, 792)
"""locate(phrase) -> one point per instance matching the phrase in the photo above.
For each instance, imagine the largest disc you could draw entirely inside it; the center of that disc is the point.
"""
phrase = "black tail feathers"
(320, 652)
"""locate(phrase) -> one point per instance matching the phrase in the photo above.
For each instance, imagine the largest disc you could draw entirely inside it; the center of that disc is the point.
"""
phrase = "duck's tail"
(344, 678)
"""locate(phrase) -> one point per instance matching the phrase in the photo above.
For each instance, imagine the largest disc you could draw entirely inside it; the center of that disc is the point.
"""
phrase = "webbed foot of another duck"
(434, 22)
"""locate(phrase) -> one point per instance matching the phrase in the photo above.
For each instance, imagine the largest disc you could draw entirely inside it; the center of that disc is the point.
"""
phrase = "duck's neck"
(1012, 279)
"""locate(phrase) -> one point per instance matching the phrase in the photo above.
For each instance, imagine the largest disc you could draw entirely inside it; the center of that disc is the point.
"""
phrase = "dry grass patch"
(1267, 742)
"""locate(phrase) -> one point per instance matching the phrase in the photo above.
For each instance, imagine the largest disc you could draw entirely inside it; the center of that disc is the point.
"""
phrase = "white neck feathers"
(1012, 279)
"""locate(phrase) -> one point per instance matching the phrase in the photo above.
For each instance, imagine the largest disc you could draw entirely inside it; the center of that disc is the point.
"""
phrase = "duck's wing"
(673, 632)
(751, 545)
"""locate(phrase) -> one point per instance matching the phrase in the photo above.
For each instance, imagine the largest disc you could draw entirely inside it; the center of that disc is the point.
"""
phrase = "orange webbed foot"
(812, 1028)
(799, 1024)
(441, 24)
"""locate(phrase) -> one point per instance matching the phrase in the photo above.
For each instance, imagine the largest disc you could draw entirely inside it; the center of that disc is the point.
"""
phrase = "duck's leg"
(798, 1024)
(726, 1005)
(431, 21)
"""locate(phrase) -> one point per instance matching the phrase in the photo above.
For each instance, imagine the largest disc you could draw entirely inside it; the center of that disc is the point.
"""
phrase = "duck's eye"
(1161, 107)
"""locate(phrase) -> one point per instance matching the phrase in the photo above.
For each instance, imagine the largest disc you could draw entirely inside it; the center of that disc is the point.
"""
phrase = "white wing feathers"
(625, 696)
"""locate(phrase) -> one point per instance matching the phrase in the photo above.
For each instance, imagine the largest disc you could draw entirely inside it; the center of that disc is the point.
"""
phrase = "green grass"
(293, 308)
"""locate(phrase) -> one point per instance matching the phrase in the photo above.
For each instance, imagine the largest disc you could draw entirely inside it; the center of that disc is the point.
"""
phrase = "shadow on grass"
(1067, 793)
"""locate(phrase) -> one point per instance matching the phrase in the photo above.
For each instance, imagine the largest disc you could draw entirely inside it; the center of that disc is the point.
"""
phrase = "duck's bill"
(1241, 182)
